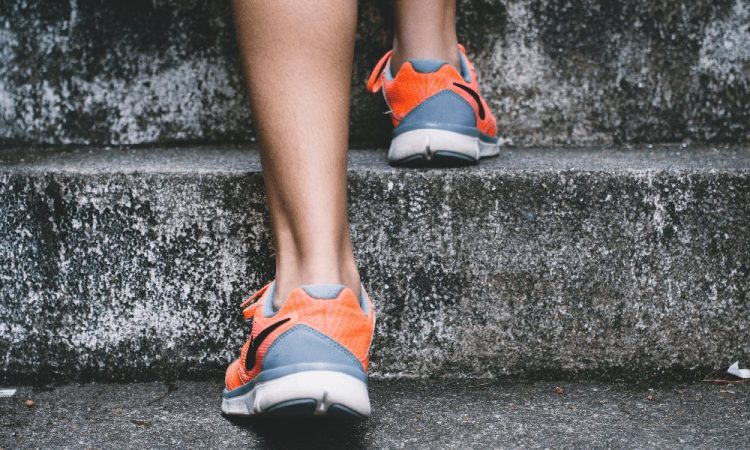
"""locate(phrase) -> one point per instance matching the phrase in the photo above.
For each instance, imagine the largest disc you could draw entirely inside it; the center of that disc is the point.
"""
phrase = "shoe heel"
(434, 147)
(306, 393)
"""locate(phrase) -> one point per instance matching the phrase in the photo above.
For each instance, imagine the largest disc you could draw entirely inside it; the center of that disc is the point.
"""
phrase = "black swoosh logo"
(250, 357)
(475, 96)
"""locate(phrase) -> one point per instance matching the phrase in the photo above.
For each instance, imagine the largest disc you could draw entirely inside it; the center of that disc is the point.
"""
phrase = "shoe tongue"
(427, 65)
(323, 291)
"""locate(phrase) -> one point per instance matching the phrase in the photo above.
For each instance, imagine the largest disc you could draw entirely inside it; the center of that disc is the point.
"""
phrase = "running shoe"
(439, 117)
(307, 358)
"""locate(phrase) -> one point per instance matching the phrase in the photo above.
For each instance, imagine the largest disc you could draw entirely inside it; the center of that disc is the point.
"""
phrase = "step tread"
(406, 414)
(232, 158)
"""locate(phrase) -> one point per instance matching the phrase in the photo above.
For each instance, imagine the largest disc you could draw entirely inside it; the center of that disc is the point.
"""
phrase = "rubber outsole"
(309, 407)
(440, 158)
(309, 393)
(434, 147)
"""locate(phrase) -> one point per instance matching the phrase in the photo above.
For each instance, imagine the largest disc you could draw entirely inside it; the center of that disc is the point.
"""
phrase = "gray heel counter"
(301, 345)
(446, 110)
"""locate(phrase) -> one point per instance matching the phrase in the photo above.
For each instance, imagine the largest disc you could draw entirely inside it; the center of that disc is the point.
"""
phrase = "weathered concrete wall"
(131, 264)
(94, 71)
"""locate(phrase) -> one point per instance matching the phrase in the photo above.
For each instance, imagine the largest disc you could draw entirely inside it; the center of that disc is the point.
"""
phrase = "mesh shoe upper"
(306, 329)
(413, 85)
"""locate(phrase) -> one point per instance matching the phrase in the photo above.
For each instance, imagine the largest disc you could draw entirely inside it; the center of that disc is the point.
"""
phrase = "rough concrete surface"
(593, 71)
(406, 414)
(131, 263)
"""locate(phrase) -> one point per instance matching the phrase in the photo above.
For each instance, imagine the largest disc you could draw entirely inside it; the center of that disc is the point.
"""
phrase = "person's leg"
(424, 29)
(297, 57)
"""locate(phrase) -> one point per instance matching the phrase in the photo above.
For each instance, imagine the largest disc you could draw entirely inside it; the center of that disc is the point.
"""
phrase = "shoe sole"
(438, 148)
(309, 393)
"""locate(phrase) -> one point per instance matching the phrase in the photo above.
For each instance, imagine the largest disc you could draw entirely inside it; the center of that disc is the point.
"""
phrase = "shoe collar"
(266, 294)
(383, 69)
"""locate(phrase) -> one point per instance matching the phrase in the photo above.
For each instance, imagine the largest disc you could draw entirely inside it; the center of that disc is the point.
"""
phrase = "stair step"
(552, 72)
(130, 264)
(406, 414)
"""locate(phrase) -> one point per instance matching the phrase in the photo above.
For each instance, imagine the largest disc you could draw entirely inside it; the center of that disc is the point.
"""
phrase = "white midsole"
(426, 141)
(325, 386)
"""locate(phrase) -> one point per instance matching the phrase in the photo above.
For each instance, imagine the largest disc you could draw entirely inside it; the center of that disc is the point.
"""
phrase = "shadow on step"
(307, 432)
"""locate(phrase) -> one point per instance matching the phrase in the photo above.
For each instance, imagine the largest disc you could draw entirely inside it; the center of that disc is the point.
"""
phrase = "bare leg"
(297, 57)
(425, 29)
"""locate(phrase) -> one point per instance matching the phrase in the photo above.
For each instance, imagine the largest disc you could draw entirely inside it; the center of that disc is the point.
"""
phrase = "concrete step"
(406, 414)
(102, 72)
(130, 264)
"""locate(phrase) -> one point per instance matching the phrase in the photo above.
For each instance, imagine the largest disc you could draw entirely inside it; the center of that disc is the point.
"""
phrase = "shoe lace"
(375, 81)
(249, 305)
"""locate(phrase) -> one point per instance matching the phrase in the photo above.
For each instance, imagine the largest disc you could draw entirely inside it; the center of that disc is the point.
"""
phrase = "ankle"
(441, 50)
(288, 280)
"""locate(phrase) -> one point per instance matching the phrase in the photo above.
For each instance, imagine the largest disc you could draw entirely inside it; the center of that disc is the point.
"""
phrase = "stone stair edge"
(244, 158)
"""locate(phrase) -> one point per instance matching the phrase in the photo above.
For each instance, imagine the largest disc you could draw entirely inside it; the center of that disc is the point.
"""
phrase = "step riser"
(481, 273)
(553, 72)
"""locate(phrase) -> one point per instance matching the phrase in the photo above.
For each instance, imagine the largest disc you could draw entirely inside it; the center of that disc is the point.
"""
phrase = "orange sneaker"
(307, 358)
(439, 118)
